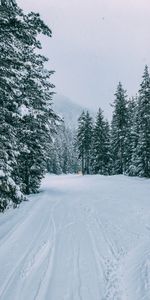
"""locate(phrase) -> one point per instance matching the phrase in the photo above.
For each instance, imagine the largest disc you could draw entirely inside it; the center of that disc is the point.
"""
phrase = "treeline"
(27, 120)
(63, 158)
(122, 147)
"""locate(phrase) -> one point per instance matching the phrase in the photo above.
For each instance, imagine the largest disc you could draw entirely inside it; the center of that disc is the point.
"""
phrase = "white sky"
(95, 44)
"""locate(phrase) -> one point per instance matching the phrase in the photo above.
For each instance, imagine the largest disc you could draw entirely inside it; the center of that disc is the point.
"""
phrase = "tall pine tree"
(9, 89)
(84, 141)
(131, 136)
(25, 103)
(119, 131)
(142, 151)
(100, 146)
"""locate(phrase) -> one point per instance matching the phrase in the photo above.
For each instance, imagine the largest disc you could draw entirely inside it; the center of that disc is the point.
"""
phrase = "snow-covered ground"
(80, 238)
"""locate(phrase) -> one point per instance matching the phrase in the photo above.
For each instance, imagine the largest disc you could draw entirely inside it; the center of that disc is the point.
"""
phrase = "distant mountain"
(67, 109)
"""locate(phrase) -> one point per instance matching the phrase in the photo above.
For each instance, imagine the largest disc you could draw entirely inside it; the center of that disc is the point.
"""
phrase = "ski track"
(80, 238)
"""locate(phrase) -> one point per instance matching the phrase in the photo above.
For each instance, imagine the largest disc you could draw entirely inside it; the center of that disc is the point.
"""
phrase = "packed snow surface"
(80, 238)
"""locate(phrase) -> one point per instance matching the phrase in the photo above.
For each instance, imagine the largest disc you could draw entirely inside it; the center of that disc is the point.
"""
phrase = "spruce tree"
(80, 140)
(142, 151)
(100, 145)
(108, 154)
(84, 140)
(119, 131)
(34, 101)
(9, 89)
(131, 136)
(27, 118)
(36, 125)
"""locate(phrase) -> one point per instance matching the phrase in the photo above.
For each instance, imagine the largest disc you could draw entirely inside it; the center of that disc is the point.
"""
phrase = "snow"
(24, 111)
(80, 238)
(2, 174)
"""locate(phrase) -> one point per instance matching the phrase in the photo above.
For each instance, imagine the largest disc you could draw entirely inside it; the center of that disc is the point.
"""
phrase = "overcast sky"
(95, 44)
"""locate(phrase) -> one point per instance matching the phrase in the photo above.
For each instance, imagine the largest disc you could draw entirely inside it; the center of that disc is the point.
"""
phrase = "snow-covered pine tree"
(25, 102)
(100, 146)
(142, 150)
(37, 117)
(84, 141)
(108, 154)
(75, 163)
(80, 140)
(9, 89)
(131, 137)
(119, 131)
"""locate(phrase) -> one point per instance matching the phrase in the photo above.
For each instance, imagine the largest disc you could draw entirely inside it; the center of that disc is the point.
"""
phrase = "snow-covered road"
(80, 238)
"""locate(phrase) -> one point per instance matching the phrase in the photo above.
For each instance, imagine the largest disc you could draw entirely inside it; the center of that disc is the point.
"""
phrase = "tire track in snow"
(108, 263)
(77, 276)
(78, 273)
(24, 262)
(45, 282)
(20, 225)
(14, 273)
(37, 259)
(38, 254)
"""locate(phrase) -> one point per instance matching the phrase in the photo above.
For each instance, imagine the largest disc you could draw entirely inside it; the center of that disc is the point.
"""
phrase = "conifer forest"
(34, 139)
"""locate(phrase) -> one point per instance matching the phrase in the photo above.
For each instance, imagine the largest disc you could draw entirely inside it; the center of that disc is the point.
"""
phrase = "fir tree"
(131, 137)
(107, 154)
(9, 89)
(36, 129)
(142, 151)
(119, 131)
(35, 99)
(25, 102)
(100, 164)
(84, 140)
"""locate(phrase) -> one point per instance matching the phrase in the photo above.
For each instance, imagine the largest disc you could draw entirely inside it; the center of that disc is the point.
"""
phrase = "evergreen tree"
(101, 159)
(36, 129)
(9, 83)
(108, 154)
(84, 140)
(25, 102)
(80, 140)
(131, 136)
(119, 131)
(35, 98)
(142, 151)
